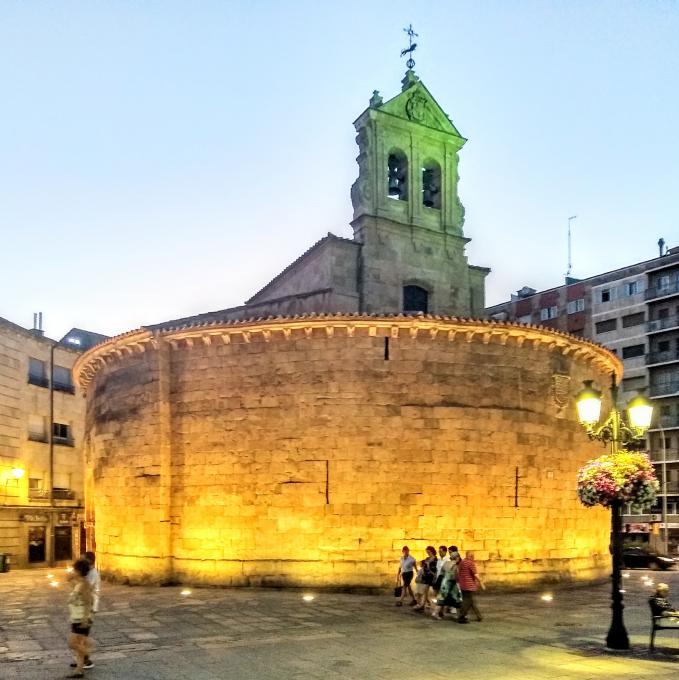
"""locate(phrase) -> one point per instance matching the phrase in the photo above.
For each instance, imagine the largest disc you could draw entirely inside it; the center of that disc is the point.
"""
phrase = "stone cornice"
(268, 329)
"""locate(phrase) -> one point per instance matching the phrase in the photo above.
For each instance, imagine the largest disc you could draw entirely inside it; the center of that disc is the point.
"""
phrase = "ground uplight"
(308, 598)
(547, 597)
(54, 584)
(185, 592)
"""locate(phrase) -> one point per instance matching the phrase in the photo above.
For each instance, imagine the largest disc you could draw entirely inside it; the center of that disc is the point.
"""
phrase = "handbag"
(398, 591)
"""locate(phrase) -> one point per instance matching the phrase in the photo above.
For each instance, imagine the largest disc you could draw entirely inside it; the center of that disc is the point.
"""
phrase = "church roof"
(295, 263)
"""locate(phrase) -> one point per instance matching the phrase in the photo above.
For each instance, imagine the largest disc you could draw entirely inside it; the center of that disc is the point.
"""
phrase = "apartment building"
(41, 432)
(634, 311)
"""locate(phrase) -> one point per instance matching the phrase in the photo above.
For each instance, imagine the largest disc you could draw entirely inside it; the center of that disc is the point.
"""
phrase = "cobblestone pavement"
(158, 634)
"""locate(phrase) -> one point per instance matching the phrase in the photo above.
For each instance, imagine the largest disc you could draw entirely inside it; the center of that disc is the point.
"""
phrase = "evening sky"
(160, 159)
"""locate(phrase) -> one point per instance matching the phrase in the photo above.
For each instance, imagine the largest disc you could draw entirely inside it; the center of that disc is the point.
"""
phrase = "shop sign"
(34, 517)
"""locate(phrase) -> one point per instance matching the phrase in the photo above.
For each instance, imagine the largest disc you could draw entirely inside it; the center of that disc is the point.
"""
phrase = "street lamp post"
(617, 432)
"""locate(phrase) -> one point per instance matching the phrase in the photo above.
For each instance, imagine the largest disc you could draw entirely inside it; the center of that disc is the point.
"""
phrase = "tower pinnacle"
(411, 47)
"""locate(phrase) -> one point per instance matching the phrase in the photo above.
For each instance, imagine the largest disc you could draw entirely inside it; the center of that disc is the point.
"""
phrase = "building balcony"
(58, 494)
(39, 494)
(63, 441)
(39, 380)
(38, 437)
(666, 324)
(665, 389)
(665, 423)
(671, 455)
(662, 291)
(667, 357)
(64, 387)
(63, 494)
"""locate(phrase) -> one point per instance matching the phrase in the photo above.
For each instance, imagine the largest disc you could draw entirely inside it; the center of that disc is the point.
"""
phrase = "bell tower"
(407, 213)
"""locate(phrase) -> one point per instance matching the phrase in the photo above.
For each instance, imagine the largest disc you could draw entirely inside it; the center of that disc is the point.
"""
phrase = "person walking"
(469, 583)
(429, 577)
(94, 580)
(442, 559)
(449, 593)
(80, 616)
(404, 575)
(420, 585)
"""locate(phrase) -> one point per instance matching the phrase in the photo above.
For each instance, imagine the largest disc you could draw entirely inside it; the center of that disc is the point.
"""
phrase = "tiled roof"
(295, 263)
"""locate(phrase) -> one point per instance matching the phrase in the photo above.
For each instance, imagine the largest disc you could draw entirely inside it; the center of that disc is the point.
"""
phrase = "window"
(62, 379)
(576, 306)
(37, 373)
(665, 410)
(431, 185)
(415, 299)
(37, 432)
(664, 313)
(663, 282)
(549, 313)
(62, 434)
(526, 318)
(632, 351)
(397, 171)
(34, 483)
(606, 295)
(632, 288)
(664, 346)
(606, 326)
(633, 319)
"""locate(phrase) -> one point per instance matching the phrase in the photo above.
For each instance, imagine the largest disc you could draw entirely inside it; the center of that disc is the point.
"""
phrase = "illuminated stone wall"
(308, 451)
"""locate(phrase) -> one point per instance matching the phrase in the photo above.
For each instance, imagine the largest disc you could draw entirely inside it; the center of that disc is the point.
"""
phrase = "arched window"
(397, 175)
(415, 299)
(431, 185)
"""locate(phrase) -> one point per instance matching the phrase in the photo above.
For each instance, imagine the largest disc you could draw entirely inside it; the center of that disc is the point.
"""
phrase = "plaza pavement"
(145, 633)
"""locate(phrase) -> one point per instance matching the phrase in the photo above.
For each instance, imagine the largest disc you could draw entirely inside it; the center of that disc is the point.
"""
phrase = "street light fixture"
(617, 431)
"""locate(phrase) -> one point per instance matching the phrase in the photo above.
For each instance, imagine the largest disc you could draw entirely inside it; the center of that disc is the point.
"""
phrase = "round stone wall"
(308, 451)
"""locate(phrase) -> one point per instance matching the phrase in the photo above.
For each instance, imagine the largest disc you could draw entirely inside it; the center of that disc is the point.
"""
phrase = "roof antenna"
(661, 245)
(570, 263)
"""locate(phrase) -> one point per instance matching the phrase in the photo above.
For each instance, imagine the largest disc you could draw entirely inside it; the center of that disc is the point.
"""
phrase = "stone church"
(407, 254)
(348, 408)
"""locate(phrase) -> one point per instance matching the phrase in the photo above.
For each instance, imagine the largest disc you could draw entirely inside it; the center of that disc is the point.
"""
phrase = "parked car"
(635, 556)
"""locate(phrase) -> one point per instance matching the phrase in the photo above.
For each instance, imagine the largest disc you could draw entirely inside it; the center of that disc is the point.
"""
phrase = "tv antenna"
(570, 259)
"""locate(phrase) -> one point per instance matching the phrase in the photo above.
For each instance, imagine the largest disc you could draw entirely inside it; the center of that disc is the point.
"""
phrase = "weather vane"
(411, 47)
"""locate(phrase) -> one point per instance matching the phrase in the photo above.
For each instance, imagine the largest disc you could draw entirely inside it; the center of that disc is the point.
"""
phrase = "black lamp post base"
(617, 641)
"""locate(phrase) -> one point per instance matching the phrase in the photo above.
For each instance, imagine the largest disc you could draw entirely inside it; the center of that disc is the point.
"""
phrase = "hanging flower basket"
(626, 476)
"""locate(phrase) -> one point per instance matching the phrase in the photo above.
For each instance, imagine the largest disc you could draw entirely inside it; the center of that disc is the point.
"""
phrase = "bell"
(429, 188)
(394, 186)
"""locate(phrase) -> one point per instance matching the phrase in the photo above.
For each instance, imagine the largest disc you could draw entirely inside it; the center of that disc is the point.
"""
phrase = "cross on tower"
(411, 46)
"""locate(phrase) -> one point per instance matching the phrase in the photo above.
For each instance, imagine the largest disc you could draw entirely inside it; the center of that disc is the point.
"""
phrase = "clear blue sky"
(159, 159)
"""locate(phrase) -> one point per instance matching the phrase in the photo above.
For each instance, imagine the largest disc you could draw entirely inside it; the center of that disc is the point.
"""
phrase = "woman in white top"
(405, 573)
